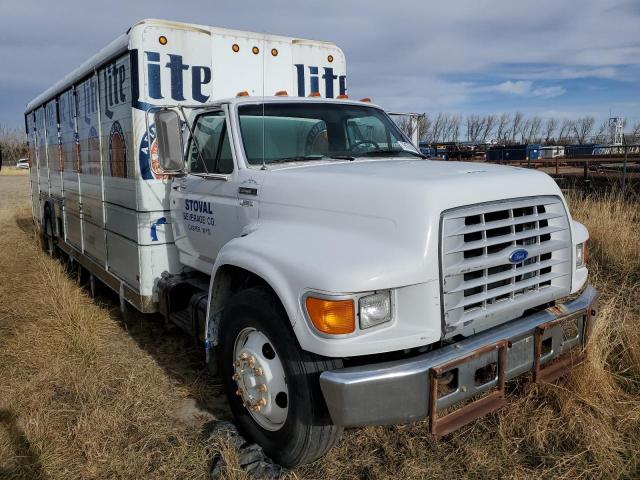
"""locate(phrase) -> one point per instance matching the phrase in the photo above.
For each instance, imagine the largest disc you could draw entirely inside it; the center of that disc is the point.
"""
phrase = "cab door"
(204, 206)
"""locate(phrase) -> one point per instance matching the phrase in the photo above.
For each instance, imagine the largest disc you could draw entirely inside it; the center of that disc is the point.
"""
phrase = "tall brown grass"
(8, 171)
(80, 397)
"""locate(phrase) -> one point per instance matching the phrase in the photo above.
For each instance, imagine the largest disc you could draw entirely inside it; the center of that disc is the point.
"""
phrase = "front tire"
(271, 383)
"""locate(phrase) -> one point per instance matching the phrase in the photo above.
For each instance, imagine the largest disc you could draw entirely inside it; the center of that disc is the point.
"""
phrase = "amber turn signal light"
(332, 316)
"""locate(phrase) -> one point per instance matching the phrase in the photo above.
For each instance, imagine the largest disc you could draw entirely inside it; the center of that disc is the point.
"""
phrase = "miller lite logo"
(114, 79)
(200, 76)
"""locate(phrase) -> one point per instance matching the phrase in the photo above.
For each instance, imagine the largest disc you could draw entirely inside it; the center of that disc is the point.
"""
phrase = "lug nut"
(239, 393)
(262, 388)
(258, 371)
(262, 402)
(243, 356)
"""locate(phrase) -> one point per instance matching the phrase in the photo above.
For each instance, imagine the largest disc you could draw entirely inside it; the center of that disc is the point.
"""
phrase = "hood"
(390, 209)
(375, 186)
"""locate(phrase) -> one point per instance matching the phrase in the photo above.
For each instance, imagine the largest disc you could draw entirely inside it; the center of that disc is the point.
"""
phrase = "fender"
(294, 258)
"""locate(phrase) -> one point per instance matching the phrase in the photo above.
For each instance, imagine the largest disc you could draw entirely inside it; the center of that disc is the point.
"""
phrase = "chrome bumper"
(402, 391)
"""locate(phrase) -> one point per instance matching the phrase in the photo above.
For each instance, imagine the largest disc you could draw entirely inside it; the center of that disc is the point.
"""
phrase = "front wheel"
(273, 385)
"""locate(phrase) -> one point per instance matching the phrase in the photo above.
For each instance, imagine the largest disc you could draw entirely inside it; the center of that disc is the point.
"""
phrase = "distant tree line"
(510, 129)
(13, 144)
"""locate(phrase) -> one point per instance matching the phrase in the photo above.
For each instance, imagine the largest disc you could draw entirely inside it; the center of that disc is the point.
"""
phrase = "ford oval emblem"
(518, 256)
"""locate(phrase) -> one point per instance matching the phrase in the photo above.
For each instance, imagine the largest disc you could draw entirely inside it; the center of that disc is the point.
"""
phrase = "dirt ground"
(85, 396)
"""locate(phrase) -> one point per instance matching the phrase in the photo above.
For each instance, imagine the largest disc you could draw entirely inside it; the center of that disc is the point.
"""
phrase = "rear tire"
(305, 432)
(49, 244)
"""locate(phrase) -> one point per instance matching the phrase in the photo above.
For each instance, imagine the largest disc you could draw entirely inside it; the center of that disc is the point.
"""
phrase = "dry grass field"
(14, 172)
(83, 396)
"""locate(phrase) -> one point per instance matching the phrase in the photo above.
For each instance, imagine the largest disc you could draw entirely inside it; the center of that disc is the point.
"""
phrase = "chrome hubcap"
(260, 379)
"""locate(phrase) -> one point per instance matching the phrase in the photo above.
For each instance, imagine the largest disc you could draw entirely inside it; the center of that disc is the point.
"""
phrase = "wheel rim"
(260, 379)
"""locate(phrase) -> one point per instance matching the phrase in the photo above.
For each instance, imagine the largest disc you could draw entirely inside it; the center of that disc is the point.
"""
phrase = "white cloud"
(525, 88)
(407, 54)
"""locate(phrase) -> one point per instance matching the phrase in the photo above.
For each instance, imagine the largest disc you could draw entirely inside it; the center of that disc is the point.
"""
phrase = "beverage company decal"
(198, 216)
(148, 156)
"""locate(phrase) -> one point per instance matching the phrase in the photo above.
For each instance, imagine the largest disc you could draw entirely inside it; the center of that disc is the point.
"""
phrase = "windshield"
(290, 132)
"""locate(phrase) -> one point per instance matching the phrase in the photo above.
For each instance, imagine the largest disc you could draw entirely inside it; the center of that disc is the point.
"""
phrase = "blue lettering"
(199, 76)
(342, 80)
(177, 67)
(313, 77)
(329, 77)
(300, 75)
(153, 75)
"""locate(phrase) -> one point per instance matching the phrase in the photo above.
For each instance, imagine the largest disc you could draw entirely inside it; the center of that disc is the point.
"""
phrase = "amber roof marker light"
(255, 50)
(235, 47)
(330, 58)
(274, 52)
(162, 40)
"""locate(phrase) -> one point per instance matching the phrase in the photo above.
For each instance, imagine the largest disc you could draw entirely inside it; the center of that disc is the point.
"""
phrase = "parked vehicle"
(585, 150)
(552, 151)
(510, 153)
(22, 163)
(331, 274)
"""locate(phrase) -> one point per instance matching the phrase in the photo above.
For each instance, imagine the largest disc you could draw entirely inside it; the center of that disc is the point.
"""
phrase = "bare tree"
(453, 130)
(438, 127)
(533, 133)
(516, 125)
(475, 126)
(602, 134)
(582, 128)
(12, 143)
(564, 135)
(424, 127)
(489, 125)
(524, 130)
(550, 127)
(636, 132)
(502, 128)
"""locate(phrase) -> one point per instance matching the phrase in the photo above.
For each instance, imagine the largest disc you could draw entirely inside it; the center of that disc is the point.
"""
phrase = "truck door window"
(369, 133)
(212, 139)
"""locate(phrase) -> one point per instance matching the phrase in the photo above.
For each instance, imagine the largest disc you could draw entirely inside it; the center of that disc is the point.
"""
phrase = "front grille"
(480, 285)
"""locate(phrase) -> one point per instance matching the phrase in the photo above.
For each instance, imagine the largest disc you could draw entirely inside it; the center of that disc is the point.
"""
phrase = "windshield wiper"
(382, 153)
(299, 158)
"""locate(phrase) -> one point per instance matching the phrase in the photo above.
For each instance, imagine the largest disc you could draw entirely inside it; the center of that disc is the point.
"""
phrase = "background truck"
(333, 276)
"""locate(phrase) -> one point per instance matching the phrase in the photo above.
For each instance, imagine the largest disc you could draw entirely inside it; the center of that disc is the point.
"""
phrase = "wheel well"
(230, 279)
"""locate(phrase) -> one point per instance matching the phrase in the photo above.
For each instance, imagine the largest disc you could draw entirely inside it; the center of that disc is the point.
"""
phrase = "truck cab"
(368, 275)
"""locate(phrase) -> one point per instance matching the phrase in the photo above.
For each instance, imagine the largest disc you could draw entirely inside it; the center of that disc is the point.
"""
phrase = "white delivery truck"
(333, 276)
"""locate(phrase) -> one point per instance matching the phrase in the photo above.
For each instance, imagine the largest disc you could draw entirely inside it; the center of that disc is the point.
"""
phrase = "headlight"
(375, 309)
(581, 255)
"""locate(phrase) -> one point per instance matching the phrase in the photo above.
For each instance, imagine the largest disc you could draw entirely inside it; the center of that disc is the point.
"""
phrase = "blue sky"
(563, 58)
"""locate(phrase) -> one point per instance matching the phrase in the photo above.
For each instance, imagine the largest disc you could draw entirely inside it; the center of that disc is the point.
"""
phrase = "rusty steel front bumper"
(471, 372)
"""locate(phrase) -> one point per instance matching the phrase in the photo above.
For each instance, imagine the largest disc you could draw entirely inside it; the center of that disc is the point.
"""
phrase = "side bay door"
(204, 205)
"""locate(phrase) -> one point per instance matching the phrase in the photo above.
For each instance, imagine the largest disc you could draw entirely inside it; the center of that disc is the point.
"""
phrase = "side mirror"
(169, 138)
